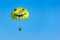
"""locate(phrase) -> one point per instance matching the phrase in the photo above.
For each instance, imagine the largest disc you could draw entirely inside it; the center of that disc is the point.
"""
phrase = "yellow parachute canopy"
(20, 13)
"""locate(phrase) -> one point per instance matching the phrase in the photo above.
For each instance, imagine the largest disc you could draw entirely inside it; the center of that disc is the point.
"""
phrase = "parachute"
(19, 14)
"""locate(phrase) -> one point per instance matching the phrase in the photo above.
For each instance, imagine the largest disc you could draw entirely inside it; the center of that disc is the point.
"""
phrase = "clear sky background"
(43, 23)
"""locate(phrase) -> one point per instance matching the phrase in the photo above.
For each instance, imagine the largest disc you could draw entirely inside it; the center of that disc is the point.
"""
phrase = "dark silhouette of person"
(20, 29)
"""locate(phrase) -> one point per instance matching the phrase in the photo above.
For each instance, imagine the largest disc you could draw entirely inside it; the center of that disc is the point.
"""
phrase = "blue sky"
(43, 23)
